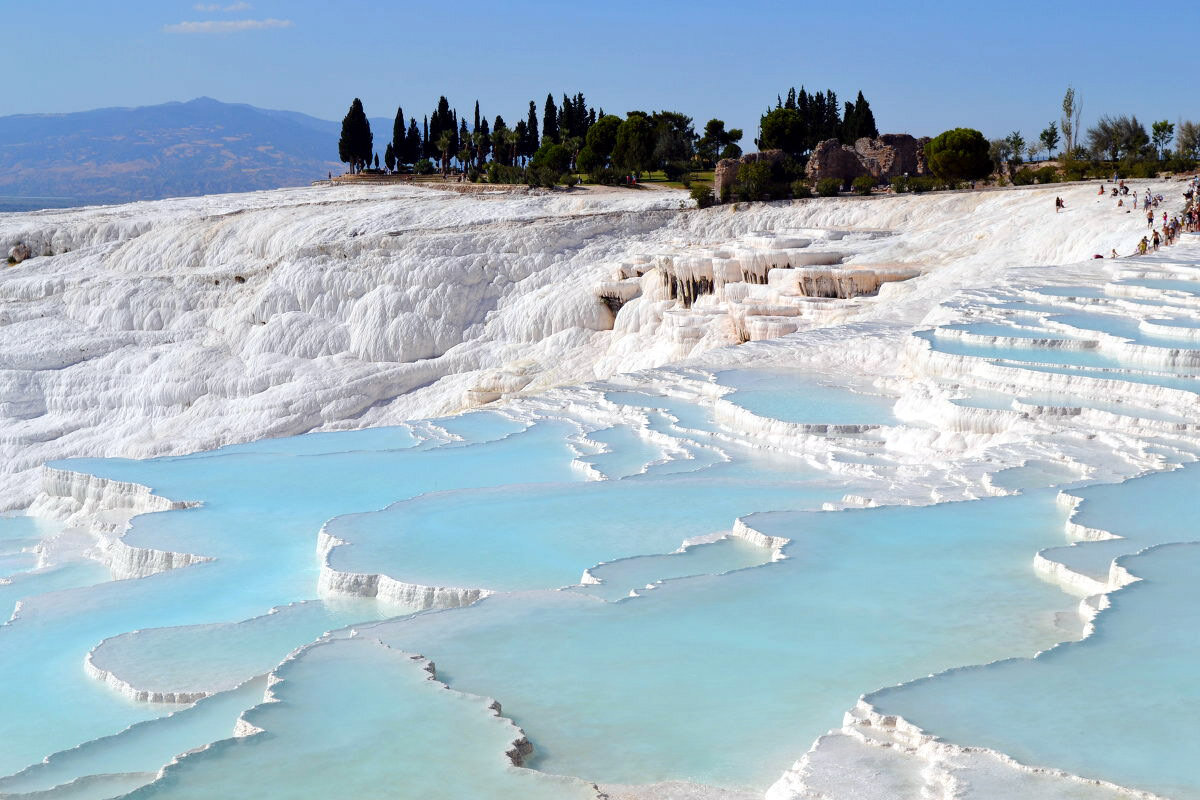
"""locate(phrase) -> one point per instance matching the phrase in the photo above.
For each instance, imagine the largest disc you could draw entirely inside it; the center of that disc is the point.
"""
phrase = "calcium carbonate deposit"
(386, 491)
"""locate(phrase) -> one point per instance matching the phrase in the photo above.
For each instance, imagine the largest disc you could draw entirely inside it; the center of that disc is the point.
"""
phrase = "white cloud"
(219, 7)
(227, 25)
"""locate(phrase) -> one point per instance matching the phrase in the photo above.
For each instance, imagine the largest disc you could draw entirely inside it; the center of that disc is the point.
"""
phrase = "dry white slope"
(179, 325)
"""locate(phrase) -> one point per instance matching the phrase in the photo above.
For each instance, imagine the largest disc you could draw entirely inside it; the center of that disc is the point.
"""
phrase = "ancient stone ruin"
(889, 156)
(727, 168)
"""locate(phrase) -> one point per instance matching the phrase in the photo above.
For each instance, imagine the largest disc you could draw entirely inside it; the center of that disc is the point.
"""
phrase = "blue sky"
(923, 66)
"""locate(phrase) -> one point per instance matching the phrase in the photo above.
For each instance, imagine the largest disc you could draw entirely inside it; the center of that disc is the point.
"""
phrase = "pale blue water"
(356, 719)
(1107, 707)
(795, 396)
(759, 661)
(574, 526)
(1006, 331)
(724, 672)
(1050, 355)
(260, 518)
(1125, 327)
(622, 576)
(627, 452)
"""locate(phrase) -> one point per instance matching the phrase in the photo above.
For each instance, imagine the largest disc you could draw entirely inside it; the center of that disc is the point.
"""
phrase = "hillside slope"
(115, 155)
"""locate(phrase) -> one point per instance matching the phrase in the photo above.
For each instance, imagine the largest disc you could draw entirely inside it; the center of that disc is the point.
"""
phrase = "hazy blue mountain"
(115, 155)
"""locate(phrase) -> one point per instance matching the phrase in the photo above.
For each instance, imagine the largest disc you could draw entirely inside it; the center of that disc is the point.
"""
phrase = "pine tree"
(398, 131)
(549, 121)
(356, 143)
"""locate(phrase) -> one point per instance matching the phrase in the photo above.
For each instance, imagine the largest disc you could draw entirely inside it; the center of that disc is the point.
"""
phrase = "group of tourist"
(1188, 220)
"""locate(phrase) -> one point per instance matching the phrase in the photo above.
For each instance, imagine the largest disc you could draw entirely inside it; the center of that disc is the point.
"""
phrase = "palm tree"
(504, 144)
(482, 142)
(443, 145)
(573, 144)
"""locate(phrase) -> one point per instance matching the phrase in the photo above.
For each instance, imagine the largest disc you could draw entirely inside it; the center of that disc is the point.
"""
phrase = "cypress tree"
(849, 132)
(389, 157)
(484, 146)
(411, 153)
(426, 144)
(398, 131)
(356, 143)
(500, 145)
(864, 119)
(476, 128)
(791, 98)
(530, 141)
(522, 131)
(432, 134)
(549, 121)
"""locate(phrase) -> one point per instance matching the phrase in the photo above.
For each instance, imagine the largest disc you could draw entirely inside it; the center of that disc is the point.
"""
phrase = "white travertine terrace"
(366, 307)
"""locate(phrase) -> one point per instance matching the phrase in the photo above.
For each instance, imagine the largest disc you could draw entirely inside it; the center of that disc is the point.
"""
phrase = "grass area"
(660, 178)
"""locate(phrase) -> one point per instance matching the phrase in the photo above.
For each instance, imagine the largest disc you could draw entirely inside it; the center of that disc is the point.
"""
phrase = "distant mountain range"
(203, 146)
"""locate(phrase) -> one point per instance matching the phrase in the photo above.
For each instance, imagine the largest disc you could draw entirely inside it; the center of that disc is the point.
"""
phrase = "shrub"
(1179, 164)
(901, 184)
(863, 184)
(676, 170)
(922, 184)
(703, 195)
(588, 161)
(568, 180)
(959, 154)
(1022, 177)
(828, 187)
(1075, 170)
(726, 193)
(423, 167)
(474, 174)
(543, 176)
(753, 181)
(801, 190)
(1046, 175)
(500, 173)
(605, 176)
(554, 157)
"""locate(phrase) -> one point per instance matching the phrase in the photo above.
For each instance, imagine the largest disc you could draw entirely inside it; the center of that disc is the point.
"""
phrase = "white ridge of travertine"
(332, 582)
(105, 508)
(516, 754)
